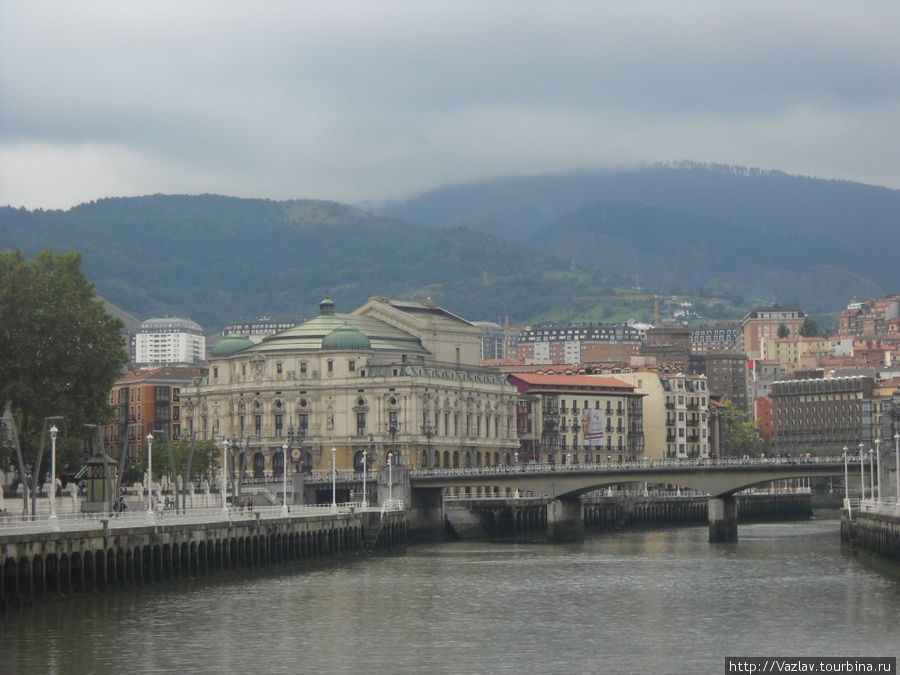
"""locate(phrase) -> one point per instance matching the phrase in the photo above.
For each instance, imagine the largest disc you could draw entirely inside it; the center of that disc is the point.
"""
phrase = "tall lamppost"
(897, 467)
(149, 474)
(871, 474)
(390, 460)
(333, 479)
(284, 507)
(54, 524)
(225, 476)
(862, 472)
(365, 503)
(846, 484)
(877, 467)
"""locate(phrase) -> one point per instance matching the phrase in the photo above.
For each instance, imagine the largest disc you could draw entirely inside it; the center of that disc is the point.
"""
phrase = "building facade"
(821, 415)
(169, 341)
(719, 336)
(257, 329)
(398, 381)
(570, 419)
(147, 402)
(775, 321)
(726, 376)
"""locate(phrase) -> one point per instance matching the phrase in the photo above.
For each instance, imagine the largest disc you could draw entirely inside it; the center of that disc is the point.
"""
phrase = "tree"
(783, 331)
(741, 434)
(810, 328)
(61, 350)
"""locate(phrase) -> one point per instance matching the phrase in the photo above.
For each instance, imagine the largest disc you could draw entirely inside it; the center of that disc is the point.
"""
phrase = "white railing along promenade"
(878, 507)
(26, 524)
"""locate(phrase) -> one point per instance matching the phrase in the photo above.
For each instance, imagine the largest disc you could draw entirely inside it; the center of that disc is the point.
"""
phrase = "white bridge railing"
(622, 467)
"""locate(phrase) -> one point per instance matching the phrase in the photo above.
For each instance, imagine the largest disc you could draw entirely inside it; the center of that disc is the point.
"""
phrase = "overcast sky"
(374, 100)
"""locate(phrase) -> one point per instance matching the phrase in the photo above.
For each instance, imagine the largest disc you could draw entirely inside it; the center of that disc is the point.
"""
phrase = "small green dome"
(346, 338)
(230, 345)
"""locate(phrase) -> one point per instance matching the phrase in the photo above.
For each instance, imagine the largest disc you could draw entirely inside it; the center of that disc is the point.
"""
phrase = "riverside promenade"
(44, 558)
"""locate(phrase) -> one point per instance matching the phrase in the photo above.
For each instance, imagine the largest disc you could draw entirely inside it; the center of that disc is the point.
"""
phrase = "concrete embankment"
(873, 531)
(39, 566)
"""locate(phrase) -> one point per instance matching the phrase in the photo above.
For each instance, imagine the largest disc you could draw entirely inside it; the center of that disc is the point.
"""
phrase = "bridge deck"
(714, 477)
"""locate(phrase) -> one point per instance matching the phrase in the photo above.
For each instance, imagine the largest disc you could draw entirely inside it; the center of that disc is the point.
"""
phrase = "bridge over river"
(564, 484)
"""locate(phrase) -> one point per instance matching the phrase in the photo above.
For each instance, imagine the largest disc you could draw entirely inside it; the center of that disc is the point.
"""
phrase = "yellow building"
(790, 352)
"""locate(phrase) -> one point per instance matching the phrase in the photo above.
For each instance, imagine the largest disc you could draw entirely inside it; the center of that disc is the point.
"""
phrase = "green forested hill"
(777, 237)
(531, 248)
(217, 259)
(717, 257)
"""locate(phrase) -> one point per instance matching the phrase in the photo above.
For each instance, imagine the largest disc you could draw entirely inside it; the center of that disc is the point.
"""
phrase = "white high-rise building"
(169, 341)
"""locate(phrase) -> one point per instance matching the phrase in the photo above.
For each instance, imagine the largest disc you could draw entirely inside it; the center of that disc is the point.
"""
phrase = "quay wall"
(626, 511)
(50, 565)
(527, 518)
(877, 533)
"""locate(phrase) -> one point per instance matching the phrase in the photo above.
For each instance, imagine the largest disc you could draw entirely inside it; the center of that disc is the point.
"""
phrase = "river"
(652, 601)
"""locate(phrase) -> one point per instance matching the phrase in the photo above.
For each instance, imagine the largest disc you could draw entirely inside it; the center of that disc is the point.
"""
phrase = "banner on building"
(593, 428)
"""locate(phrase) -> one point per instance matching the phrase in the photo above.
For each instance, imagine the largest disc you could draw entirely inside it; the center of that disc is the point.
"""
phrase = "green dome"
(346, 338)
(231, 345)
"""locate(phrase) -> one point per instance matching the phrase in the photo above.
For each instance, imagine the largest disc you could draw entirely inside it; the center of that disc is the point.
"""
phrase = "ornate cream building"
(392, 377)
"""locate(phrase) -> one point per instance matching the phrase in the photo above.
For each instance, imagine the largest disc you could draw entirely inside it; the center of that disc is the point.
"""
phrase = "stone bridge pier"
(722, 519)
(565, 519)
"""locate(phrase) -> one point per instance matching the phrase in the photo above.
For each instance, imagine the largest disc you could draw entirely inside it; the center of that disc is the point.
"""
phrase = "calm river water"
(656, 601)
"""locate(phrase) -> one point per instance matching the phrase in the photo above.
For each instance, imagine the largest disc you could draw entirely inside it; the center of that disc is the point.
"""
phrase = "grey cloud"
(357, 100)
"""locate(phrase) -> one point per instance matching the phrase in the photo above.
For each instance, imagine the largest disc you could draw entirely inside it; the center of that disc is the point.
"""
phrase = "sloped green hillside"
(217, 259)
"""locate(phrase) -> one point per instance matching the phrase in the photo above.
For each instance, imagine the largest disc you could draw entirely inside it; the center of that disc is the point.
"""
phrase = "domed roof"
(230, 345)
(326, 330)
(346, 337)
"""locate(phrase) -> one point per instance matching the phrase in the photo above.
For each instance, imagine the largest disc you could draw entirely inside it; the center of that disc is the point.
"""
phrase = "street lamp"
(871, 473)
(54, 524)
(365, 503)
(225, 476)
(149, 474)
(390, 461)
(862, 472)
(333, 479)
(897, 466)
(877, 466)
(846, 484)
(284, 508)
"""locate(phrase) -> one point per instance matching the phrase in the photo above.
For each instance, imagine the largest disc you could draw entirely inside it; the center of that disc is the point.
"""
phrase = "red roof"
(581, 382)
